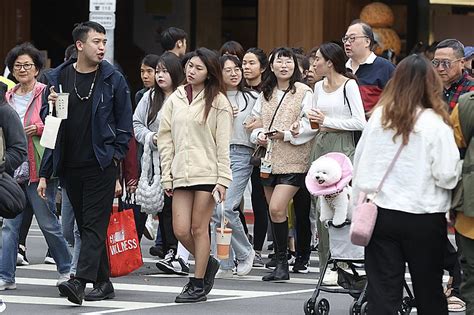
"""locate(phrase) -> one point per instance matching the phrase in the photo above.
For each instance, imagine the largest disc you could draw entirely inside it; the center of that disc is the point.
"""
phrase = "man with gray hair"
(449, 63)
(372, 72)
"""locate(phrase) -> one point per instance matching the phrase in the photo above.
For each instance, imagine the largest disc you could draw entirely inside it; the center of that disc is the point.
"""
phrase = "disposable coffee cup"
(62, 105)
(314, 124)
(223, 239)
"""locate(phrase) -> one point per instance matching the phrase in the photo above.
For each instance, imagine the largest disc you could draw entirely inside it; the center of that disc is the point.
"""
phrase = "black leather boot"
(211, 270)
(192, 292)
(281, 271)
(102, 291)
(73, 289)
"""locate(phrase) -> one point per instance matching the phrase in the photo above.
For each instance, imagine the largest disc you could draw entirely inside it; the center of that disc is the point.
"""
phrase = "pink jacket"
(33, 116)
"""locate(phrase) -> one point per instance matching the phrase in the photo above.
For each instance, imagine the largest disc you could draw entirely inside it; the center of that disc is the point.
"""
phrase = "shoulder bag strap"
(395, 158)
(345, 96)
(276, 110)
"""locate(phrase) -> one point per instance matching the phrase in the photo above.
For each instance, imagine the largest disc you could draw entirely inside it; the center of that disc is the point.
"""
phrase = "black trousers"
(91, 192)
(166, 225)
(260, 210)
(302, 203)
(419, 240)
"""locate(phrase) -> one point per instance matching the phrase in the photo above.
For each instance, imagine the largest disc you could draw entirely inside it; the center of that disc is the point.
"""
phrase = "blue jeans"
(70, 229)
(48, 224)
(241, 171)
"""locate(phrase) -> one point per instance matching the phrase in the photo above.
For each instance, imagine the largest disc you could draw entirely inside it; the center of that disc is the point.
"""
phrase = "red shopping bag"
(123, 246)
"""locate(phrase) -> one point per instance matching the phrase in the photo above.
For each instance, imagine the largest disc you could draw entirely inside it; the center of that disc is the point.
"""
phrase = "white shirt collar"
(370, 59)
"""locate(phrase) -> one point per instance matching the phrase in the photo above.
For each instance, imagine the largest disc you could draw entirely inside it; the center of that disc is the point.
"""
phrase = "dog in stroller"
(328, 177)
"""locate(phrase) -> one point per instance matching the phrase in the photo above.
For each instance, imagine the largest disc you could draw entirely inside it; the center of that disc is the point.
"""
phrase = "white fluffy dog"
(329, 177)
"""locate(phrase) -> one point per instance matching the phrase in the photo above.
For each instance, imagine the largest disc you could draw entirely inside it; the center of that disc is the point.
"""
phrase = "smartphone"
(270, 133)
(217, 196)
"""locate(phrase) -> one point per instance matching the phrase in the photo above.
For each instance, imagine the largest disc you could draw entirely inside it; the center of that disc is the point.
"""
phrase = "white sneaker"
(330, 278)
(245, 266)
(49, 260)
(150, 229)
(224, 274)
(63, 278)
(7, 285)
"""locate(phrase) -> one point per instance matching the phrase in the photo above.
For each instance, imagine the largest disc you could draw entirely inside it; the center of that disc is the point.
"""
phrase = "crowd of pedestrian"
(223, 121)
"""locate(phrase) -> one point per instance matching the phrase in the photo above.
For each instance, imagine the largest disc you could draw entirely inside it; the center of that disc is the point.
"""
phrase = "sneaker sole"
(168, 270)
(180, 300)
(301, 271)
(11, 287)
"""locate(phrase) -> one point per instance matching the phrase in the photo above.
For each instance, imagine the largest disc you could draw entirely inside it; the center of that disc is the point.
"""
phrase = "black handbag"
(12, 197)
(356, 134)
(257, 155)
(260, 151)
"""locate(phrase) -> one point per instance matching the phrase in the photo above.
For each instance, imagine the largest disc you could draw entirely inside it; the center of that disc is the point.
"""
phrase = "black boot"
(281, 271)
(192, 292)
(211, 270)
(73, 289)
(102, 291)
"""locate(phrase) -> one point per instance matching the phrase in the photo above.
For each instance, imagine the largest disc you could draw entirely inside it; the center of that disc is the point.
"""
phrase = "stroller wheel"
(364, 309)
(309, 307)
(323, 307)
(405, 308)
(355, 308)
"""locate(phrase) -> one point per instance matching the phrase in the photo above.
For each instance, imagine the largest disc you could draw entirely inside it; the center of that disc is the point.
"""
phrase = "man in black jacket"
(90, 144)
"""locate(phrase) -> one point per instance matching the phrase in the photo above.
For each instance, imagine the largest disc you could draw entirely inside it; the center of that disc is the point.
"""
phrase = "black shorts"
(208, 188)
(293, 179)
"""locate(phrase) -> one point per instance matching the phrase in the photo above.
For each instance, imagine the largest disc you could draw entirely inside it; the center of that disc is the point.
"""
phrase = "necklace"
(84, 98)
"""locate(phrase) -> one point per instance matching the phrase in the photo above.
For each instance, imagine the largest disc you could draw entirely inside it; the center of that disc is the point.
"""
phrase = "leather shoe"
(192, 292)
(211, 270)
(73, 289)
(102, 291)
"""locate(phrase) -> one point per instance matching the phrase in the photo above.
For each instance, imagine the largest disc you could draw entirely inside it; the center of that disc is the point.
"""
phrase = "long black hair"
(270, 81)
(172, 64)
(334, 53)
(241, 86)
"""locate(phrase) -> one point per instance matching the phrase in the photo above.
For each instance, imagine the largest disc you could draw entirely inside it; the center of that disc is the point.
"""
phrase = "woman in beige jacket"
(193, 141)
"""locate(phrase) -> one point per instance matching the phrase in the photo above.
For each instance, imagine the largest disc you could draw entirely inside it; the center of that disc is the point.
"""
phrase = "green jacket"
(466, 119)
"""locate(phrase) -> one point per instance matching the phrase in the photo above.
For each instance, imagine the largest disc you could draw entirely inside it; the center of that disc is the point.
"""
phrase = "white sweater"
(428, 166)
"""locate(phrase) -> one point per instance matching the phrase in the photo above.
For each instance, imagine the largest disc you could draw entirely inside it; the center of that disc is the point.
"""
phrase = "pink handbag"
(365, 212)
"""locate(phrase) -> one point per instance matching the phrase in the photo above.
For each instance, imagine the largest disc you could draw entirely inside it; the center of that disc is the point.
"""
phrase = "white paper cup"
(62, 105)
(223, 242)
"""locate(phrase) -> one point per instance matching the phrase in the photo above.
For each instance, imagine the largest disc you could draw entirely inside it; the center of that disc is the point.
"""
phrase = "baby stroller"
(341, 250)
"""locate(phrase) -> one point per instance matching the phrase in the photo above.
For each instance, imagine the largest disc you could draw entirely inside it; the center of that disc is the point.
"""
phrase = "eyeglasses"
(445, 63)
(352, 38)
(229, 71)
(26, 66)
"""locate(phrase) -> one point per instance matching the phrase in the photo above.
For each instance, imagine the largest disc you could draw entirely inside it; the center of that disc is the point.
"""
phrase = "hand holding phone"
(217, 196)
(270, 133)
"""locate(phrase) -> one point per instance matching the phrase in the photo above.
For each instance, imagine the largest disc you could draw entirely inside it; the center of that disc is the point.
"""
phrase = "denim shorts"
(293, 179)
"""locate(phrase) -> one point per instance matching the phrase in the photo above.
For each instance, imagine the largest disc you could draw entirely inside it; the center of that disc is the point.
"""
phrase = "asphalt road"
(148, 291)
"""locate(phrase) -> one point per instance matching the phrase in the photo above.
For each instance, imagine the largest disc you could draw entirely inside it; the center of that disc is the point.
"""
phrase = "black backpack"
(12, 197)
